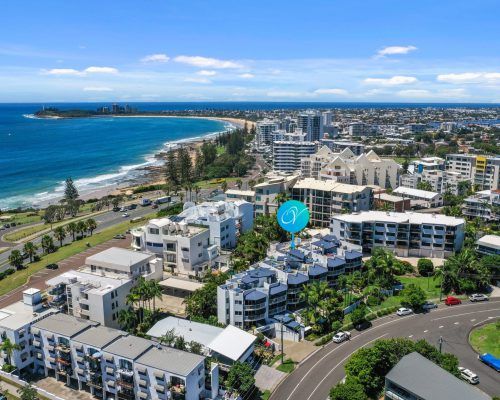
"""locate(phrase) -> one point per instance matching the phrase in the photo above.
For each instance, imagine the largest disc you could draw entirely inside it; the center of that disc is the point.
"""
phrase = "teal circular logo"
(293, 216)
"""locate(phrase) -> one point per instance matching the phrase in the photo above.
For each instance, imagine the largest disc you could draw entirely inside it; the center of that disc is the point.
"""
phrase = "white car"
(468, 376)
(404, 311)
(341, 336)
(429, 305)
(125, 215)
(478, 297)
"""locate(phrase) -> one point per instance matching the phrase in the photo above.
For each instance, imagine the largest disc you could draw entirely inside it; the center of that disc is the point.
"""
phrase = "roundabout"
(316, 375)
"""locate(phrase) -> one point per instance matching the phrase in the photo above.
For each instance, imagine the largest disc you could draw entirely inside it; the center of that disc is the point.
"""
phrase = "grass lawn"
(22, 218)
(400, 160)
(221, 150)
(214, 183)
(287, 366)
(431, 286)
(19, 278)
(486, 339)
(265, 395)
(389, 302)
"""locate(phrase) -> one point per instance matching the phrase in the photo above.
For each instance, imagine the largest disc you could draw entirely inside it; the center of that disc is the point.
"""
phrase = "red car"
(452, 301)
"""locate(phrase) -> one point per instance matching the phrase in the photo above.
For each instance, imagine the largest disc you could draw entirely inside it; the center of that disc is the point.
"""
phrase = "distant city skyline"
(332, 51)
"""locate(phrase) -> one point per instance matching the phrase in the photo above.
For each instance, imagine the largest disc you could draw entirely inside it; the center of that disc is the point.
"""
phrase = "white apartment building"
(264, 129)
(406, 234)
(226, 220)
(184, 248)
(290, 149)
(239, 194)
(311, 123)
(482, 171)
(419, 198)
(326, 198)
(484, 205)
(489, 245)
(15, 322)
(266, 192)
(109, 363)
(361, 129)
(336, 146)
(346, 167)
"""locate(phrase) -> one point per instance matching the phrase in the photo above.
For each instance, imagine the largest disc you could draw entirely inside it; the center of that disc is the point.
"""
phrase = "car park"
(478, 297)
(468, 375)
(452, 301)
(404, 311)
(52, 266)
(429, 305)
(341, 337)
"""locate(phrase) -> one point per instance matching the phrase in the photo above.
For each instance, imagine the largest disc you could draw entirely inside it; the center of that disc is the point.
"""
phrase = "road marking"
(427, 330)
(460, 315)
(487, 319)
(473, 319)
(410, 336)
(340, 362)
(457, 323)
(441, 326)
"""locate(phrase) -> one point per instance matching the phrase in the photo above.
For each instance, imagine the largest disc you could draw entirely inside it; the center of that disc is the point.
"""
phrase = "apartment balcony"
(96, 383)
(63, 348)
(126, 395)
(125, 384)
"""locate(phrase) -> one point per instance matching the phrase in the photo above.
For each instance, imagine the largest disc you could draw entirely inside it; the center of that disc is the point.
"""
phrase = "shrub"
(425, 267)
(372, 301)
(8, 368)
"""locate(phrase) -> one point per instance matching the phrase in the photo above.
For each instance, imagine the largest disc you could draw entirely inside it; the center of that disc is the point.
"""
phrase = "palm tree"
(8, 348)
(239, 183)
(251, 183)
(47, 244)
(168, 338)
(71, 228)
(127, 318)
(223, 185)
(30, 249)
(196, 189)
(155, 291)
(60, 234)
(81, 227)
(27, 392)
(281, 198)
(16, 259)
(91, 225)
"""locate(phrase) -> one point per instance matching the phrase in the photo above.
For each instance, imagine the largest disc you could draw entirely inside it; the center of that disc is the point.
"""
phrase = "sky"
(274, 50)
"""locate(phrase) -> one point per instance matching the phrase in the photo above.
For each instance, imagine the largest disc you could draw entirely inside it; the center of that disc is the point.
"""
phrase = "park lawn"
(391, 301)
(23, 218)
(287, 366)
(214, 183)
(265, 395)
(486, 339)
(431, 286)
(19, 278)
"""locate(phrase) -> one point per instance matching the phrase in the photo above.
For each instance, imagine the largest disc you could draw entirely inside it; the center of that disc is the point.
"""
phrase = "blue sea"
(37, 155)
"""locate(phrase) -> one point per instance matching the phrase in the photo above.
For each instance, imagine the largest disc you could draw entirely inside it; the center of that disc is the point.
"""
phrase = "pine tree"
(171, 168)
(70, 191)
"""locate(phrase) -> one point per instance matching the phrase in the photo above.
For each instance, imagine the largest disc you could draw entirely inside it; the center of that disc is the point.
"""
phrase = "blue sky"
(315, 50)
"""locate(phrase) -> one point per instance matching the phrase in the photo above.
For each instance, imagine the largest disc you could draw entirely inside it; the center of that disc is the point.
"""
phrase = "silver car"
(478, 297)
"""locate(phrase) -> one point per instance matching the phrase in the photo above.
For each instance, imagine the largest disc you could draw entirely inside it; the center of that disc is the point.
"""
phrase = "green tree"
(202, 303)
(195, 347)
(348, 391)
(240, 378)
(424, 186)
(50, 215)
(8, 347)
(413, 296)
(27, 392)
(223, 185)
(47, 244)
(251, 184)
(60, 235)
(127, 319)
(381, 268)
(171, 168)
(72, 229)
(115, 202)
(239, 183)
(16, 259)
(425, 267)
(358, 315)
(81, 227)
(180, 343)
(30, 249)
(168, 338)
(91, 225)
(70, 191)
(405, 165)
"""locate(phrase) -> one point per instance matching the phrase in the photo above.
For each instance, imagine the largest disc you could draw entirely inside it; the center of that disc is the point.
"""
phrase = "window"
(170, 246)
(154, 231)
(114, 316)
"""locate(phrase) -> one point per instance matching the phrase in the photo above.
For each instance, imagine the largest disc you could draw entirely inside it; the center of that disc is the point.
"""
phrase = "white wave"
(30, 116)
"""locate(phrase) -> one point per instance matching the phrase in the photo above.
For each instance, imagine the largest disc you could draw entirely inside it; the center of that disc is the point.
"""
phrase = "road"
(315, 376)
(104, 221)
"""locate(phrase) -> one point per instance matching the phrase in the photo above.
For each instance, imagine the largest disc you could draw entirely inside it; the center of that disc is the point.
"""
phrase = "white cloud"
(155, 58)
(247, 76)
(198, 80)
(100, 70)
(205, 72)
(339, 92)
(62, 71)
(469, 77)
(392, 50)
(394, 81)
(206, 62)
(280, 93)
(97, 89)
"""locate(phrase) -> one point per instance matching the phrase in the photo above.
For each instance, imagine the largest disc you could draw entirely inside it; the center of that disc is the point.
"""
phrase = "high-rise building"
(311, 123)
(288, 153)
(264, 130)
(482, 171)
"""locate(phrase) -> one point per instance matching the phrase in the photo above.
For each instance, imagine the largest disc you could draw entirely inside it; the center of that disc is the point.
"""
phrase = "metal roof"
(129, 347)
(64, 325)
(423, 378)
(98, 336)
(172, 360)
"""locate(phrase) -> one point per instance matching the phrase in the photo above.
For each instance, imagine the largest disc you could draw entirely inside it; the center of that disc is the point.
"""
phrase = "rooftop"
(388, 197)
(97, 282)
(129, 347)
(64, 325)
(99, 336)
(232, 342)
(406, 217)
(172, 360)
(428, 381)
(18, 314)
(329, 185)
(118, 258)
(490, 241)
(237, 192)
(424, 194)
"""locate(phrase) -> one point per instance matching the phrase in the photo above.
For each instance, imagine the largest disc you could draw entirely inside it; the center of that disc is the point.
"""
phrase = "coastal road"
(104, 221)
(316, 375)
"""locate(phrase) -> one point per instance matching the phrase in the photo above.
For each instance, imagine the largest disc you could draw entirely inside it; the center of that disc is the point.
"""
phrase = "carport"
(179, 287)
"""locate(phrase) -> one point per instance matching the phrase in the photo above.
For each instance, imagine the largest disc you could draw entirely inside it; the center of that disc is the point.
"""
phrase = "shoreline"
(144, 174)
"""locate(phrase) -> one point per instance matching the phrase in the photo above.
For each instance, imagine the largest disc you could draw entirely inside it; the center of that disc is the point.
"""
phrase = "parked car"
(452, 301)
(132, 206)
(491, 361)
(478, 297)
(341, 337)
(125, 215)
(363, 325)
(123, 209)
(116, 209)
(404, 311)
(119, 236)
(52, 266)
(154, 206)
(468, 375)
(429, 305)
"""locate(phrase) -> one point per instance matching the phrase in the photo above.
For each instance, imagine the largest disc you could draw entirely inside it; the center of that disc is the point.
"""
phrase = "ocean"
(37, 155)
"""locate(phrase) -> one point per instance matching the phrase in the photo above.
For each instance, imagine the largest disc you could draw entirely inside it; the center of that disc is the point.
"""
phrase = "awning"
(108, 358)
(159, 375)
(181, 284)
(110, 383)
(110, 370)
(160, 388)
(142, 382)
(143, 395)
